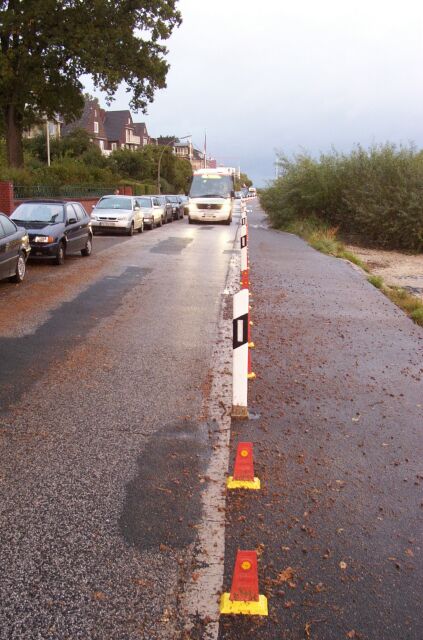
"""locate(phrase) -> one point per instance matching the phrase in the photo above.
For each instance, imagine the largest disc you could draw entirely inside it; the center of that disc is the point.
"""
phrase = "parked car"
(167, 212)
(177, 207)
(14, 250)
(55, 228)
(152, 211)
(117, 213)
(185, 203)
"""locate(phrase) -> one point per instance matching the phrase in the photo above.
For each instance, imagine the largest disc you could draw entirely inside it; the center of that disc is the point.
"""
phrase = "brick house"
(111, 130)
(92, 120)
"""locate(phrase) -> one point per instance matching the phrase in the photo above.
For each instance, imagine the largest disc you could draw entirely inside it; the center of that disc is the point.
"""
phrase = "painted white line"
(200, 601)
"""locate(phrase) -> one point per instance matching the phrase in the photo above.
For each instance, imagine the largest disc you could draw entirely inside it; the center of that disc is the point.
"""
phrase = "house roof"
(140, 129)
(115, 122)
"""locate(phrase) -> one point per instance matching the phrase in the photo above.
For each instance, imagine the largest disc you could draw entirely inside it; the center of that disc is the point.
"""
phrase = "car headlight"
(192, 207)
(44, 239)
(93, 216)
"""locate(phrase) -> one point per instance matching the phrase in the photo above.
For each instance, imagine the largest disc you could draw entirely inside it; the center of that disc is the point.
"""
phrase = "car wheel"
(152, 225)
(20, 269)
(141, 228)
(130, 231)
(87, 250)
(60, 253)
(164, 220)
(190, 220)
(229, 220)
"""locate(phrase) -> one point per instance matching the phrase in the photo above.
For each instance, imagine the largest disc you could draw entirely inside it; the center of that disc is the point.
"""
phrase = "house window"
(114, 146)
(101, 143)
(95, 126)
(95, 113)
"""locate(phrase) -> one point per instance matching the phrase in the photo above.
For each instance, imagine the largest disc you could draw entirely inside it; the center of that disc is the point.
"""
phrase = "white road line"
(201, 597)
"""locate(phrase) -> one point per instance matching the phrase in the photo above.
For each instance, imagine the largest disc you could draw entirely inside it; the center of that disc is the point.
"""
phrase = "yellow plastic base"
(243, 484)
(251, 345)
(239, 413)
(247, 608)
(251, 375)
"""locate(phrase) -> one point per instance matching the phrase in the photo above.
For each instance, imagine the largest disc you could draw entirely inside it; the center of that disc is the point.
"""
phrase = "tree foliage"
(242, 181)
(46, 45)
(374, 194)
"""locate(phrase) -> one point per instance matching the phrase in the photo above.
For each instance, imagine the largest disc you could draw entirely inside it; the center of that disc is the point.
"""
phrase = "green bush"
(375, 194)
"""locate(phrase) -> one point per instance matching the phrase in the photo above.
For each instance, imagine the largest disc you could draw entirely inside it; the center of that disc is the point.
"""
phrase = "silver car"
(152, 211)
(118, 213)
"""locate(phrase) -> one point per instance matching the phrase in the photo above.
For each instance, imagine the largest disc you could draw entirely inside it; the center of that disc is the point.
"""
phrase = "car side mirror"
(71, 221)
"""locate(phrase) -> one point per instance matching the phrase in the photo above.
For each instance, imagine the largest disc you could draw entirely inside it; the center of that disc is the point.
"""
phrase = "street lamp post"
(168, 144)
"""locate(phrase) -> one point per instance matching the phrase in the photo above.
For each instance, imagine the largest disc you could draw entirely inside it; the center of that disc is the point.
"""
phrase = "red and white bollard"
(244, 257)
(240, 355)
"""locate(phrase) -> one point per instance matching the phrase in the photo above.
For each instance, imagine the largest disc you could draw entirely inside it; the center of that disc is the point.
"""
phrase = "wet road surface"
(103, 440)
(339, 448)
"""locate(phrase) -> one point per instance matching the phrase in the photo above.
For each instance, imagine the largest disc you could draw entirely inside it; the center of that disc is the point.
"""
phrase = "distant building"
(92, 120)
(111, 130)
(54, 128)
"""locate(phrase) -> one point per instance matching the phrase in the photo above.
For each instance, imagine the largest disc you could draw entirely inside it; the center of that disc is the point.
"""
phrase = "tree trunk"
(14, 146)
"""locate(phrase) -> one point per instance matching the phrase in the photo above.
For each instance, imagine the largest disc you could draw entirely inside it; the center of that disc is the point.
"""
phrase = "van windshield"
(211, 186)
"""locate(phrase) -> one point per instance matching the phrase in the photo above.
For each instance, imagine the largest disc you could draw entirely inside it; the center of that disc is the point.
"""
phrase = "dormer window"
(95, 126)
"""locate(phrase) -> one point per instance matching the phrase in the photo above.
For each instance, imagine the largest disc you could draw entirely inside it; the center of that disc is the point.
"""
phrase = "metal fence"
(65, 191)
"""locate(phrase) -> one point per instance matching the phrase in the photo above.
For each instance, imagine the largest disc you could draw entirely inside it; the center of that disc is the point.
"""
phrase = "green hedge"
(375, 194)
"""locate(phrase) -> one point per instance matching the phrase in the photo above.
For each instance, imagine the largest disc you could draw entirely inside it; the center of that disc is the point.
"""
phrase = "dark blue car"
(55, 228)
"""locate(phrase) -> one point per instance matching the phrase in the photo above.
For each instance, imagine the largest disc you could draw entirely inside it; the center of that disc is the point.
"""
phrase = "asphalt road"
(104, 366)
(338, 438)
(107, 448)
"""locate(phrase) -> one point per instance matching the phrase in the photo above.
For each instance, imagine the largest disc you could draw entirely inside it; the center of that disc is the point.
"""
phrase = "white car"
(118, 213)
(152, 211)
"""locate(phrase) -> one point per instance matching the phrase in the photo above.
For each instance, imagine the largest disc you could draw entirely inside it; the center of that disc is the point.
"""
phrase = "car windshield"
(114, 203)
(144, 202)
(211, 185)
(38, 212)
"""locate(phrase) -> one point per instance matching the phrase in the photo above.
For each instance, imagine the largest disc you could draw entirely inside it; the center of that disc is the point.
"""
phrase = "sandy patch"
(397, 269)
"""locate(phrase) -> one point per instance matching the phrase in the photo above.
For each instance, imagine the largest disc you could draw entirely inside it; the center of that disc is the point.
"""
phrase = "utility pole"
(48, 142)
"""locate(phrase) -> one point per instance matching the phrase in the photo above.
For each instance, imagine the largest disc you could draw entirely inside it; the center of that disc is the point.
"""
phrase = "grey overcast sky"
(266, 75)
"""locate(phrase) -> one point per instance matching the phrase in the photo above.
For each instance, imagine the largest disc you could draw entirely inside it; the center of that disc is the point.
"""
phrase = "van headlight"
(192, 208)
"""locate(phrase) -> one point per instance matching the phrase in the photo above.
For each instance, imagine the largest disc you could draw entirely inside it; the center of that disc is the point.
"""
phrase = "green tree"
(242, 181)
(167, 140)
(46, 45)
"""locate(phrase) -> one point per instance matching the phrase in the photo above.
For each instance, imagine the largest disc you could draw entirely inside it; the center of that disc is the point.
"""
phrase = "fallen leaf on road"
(285, 576)
(307, 630)
(351, 634)
(343, 565)
(409, 553)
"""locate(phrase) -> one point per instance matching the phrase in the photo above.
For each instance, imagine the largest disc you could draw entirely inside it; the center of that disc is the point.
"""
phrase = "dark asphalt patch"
(231, 251)
(205, 228)
(163, 502)
(66, 328)
(171, 245)
(103, 242)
